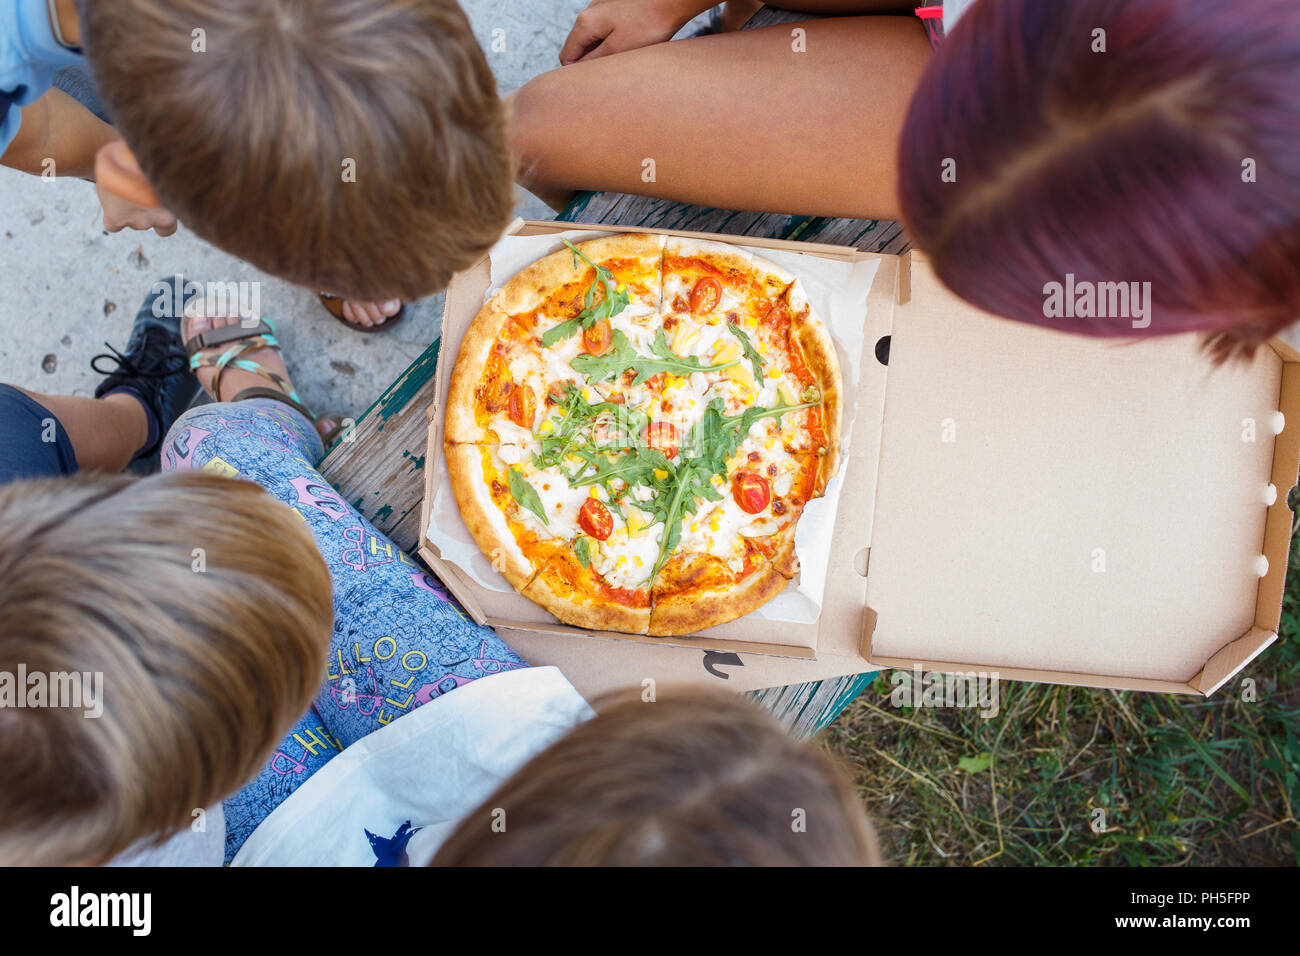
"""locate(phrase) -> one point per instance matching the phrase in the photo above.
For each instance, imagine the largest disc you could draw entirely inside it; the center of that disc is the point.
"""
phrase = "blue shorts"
(33, 443)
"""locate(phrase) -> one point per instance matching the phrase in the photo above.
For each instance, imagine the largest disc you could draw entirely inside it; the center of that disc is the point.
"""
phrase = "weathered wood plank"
(380, 467)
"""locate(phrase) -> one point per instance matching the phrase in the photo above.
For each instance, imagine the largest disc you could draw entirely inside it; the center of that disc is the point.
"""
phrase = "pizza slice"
(515, 359)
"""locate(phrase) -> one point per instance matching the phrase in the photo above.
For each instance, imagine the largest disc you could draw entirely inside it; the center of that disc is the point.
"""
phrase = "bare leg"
(739, 120)
(234, 380)
(105, 432)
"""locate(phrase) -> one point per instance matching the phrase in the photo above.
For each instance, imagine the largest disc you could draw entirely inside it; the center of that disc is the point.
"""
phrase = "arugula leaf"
(703, 454)
(635, 468)
(525, 495)
(615, 360)
(582, 550)
(622, 355)
(611, 304)
(750, 352)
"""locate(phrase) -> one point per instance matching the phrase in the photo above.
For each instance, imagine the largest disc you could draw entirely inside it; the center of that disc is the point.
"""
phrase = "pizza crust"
(485, 521)
(530, 288)
(550, 589)
(460, 424)
(823, 361)
(676, 614)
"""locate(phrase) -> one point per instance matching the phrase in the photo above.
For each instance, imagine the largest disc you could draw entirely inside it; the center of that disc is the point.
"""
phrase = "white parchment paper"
(837, 292)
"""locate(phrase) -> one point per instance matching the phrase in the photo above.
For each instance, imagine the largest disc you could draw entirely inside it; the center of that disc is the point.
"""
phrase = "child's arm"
(56, 127)
(613, 26)
(60, 137)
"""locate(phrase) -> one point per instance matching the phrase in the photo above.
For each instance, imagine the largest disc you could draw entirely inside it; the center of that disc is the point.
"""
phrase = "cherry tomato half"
(596, 340)
(522, 406)
(752, 492)
(662, 436)
(595, 519)
(705, 296)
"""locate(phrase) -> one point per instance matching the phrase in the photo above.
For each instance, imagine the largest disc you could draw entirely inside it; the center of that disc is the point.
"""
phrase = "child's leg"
(104, 433)
(765, 120)
(400, 640)
(306, 748)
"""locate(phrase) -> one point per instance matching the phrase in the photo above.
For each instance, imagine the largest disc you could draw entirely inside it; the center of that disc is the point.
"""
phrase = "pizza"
(634, 427)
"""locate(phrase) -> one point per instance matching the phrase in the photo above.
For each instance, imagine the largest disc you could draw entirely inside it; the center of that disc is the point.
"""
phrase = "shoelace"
(173, 362)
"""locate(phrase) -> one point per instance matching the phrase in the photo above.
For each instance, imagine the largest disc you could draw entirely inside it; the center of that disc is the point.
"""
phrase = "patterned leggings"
(400, 640)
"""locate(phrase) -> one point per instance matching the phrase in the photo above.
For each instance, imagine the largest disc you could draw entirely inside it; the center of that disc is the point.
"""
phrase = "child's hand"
(613, 26)
(122, 214)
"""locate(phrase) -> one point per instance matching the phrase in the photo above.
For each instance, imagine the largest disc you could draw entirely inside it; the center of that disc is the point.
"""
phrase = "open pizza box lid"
(1017, 501)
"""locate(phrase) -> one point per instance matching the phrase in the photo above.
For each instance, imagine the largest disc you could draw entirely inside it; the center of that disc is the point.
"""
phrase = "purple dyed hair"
(1173, 157)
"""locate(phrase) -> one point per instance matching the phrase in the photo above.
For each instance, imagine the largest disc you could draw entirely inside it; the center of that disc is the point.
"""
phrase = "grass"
(1178, 780)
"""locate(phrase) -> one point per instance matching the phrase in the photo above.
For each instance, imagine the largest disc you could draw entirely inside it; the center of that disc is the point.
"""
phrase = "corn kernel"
(547, 427)
(769, 443)
(592, 492)
(661, 474)
(751, 322)
(742, 376)
(787, 397)
(715, 522)
(774, 373)
(637, 559)
(695, 526)
(635, 522)
(622, 287)
(683, 338)
(620, 561)
(762, 348)
(717, 481)
(672, 382)
(726, 352)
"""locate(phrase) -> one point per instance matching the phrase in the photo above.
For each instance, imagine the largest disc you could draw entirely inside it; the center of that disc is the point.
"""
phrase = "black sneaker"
(156, 367)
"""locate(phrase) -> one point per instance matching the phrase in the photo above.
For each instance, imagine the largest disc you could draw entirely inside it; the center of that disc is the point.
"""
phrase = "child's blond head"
(354, 146)
(204, 604)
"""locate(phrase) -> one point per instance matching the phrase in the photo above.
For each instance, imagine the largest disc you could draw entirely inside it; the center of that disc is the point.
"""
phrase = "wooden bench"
(381, 471)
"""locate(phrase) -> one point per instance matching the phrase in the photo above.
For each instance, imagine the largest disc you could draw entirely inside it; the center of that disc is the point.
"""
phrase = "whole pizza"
(634, 427)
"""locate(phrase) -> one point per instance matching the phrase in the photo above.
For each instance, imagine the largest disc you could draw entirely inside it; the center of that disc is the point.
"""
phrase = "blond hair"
(355, 146)
(695, 779)
(205, 605)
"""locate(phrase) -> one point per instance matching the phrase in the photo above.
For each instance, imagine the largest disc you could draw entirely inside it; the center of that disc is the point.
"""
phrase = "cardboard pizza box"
(1018, 501)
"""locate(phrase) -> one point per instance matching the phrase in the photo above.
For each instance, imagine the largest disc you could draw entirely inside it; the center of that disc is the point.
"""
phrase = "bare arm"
(56, 127)
(739, 121)
(616, 26)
